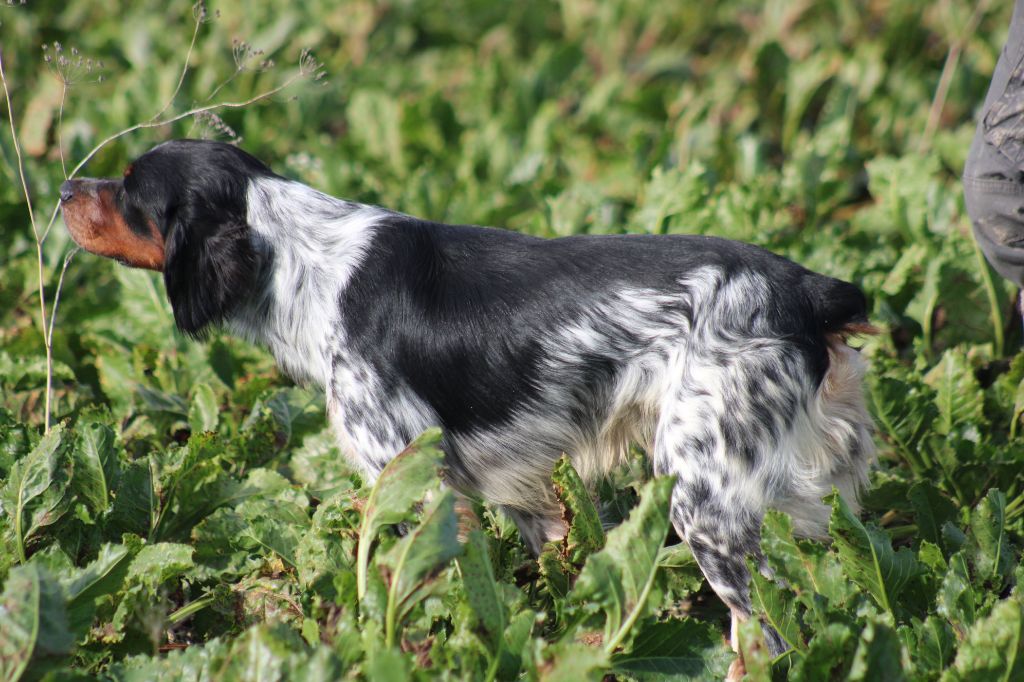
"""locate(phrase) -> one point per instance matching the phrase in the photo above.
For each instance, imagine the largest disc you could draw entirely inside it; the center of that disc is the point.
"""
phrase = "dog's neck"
(311, 244)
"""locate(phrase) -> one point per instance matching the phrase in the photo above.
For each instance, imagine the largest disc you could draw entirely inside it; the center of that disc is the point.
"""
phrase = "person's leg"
(994, 173)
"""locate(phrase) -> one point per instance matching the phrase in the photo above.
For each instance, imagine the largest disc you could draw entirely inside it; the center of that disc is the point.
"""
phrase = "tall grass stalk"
(308, 68)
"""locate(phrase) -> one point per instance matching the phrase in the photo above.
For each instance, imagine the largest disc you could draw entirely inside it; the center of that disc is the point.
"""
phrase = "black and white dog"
(728, 363)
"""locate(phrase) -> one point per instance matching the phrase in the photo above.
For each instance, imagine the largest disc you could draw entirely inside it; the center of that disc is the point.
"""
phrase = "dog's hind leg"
(723, 419)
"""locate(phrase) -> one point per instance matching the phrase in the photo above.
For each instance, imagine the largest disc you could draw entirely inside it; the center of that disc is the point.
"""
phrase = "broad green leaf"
(297, 412)
(162, 402)
(33, 620)
(101, 577)
(931, 511)
(136, 505)
(957, 600)
(679, 649)
(991, 551)
(994, 648)
(806, 568)
(829, 654)
(275, 535)
(416, 558)
(905, 410)
(158, 563)
(867, 556)
(555, 570)
(619, 577)
(931, 643)
(387, 665)
(96, 464)
(153, 566)
(957, 393)
(191, 483)
(204, 413)
(38, 492)
(481, 589)
(402, 483)
(879, 655)
(778, 607)
(515, 639)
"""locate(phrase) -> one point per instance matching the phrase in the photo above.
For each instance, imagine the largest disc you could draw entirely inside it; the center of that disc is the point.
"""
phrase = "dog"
(729, 364)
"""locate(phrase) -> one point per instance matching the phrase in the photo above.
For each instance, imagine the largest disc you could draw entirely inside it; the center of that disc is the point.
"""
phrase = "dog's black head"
(181, 209)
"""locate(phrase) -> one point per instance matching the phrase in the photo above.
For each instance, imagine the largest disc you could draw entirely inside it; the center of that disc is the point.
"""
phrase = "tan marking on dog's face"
(96, 224)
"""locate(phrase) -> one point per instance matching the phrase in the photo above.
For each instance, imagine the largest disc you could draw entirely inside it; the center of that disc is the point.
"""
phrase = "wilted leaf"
(585, 535)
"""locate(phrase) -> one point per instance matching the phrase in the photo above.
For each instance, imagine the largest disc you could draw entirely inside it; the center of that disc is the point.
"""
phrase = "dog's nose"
(67, 191)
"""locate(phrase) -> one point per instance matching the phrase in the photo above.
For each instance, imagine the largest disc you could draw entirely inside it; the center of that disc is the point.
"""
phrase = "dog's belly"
(509, 463)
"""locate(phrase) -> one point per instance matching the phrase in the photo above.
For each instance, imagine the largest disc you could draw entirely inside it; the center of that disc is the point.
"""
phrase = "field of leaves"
(188, 516)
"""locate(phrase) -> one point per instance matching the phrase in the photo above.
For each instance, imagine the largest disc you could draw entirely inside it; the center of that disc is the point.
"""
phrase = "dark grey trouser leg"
(994, 173)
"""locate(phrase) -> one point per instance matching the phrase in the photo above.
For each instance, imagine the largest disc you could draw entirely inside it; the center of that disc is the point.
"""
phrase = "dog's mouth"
(95, 223)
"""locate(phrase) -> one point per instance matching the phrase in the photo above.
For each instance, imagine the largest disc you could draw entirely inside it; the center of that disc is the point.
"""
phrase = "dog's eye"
(128, 170)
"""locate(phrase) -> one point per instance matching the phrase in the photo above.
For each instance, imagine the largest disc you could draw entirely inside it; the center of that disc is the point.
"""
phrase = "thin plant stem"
(56, 293)
(39, 245)
(60, 134)
(46, 330)
(184, 70)
(995, 315)
(223, 83)
(191, 112)
(49, 329)
(946, 78)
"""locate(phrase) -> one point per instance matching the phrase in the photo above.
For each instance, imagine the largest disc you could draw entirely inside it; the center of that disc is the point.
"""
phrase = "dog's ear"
(210, 266)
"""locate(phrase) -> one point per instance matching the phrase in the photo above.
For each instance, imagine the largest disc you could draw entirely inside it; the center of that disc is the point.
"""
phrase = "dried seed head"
(311, 67)
(73, 69)
(212, 126)
(249, 58)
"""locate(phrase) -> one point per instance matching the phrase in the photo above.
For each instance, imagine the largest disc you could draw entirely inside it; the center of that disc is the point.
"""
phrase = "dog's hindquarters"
(755, 419)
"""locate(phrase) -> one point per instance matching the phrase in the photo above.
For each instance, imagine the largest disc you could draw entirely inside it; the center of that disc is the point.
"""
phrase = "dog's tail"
(840, 308)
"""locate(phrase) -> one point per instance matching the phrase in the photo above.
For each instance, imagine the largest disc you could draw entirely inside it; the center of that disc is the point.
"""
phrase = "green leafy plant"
(170, 507)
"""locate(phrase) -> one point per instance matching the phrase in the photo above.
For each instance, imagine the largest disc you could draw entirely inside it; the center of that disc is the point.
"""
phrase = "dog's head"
(180, 209)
